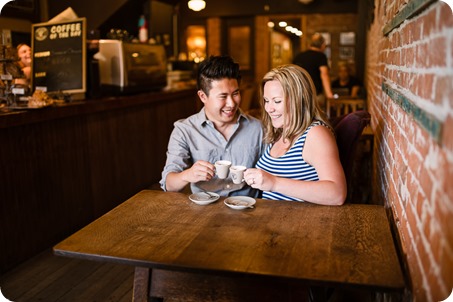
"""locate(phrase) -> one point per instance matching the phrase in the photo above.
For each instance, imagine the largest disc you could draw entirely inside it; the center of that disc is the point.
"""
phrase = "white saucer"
(239, 202)
(202, 198)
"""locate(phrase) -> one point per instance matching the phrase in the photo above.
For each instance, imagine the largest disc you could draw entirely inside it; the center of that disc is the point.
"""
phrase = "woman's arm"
(321, 152)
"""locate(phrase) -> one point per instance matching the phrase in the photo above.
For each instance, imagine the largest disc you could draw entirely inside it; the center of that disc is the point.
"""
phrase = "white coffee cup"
(237, 173)
(222, 168)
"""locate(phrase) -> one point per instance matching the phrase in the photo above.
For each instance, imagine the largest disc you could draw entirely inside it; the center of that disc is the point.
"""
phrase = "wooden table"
(295, 242)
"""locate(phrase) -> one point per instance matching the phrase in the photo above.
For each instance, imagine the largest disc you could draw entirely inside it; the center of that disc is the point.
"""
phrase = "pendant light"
(196, 5)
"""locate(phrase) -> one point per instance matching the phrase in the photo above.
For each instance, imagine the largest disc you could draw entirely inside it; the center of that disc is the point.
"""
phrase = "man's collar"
(202, 119)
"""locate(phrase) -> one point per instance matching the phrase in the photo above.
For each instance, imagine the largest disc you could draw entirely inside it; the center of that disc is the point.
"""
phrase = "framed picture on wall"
(328, 52)
(277, 51)
(347, 38)
(326, 37)
(346, 52)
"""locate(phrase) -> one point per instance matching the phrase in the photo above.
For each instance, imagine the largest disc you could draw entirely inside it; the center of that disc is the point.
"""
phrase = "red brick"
(416, 273)
(411, 33)
(446, 270)
(409, 57)
(437, 287)
(429, 23)
(394, 40)
(406, 243)
(445, 15)
(444, 91)
(425, 87)
(443, 216)
(422, 55)
(437, 54)
(412, 220)
(426, 220)
(447, 187)
(421, 141)
(421, 202)
(426, 182)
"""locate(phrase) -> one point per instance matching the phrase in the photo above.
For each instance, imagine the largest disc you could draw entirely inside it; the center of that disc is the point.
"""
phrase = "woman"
(346, 81)
(301, 162)
(24, 54)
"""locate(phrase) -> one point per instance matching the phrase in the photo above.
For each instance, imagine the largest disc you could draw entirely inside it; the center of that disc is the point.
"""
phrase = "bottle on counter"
(142, 29)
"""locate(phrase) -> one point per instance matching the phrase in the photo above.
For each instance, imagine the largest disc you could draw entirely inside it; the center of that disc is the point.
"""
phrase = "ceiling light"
(305, 1)
(196, 5)
(282, 24)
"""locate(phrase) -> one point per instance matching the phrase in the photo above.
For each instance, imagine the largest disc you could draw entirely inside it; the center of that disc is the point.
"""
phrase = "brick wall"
(409, 79)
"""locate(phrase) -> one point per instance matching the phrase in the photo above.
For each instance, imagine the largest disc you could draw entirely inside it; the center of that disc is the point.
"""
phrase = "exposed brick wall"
(414, 161)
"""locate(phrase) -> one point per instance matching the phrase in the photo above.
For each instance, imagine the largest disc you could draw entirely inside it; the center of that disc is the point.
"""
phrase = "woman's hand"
(259, 179)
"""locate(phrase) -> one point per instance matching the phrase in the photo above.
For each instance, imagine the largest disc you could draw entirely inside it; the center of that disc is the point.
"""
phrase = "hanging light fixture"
(196, 5)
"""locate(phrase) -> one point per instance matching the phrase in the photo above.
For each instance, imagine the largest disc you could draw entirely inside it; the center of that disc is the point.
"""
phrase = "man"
(314, 61)
(220, 131)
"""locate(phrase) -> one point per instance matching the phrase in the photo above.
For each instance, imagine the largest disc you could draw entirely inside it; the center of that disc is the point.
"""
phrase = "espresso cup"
(221, 168)
(237, 173)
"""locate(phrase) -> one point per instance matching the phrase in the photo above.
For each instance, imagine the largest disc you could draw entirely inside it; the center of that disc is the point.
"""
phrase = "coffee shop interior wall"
(410, 95)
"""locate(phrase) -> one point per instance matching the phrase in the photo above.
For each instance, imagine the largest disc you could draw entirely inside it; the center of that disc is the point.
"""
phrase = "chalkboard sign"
(59, 56)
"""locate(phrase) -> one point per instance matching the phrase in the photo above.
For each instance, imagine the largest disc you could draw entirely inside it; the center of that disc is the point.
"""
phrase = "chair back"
(342, 106)
(348, 130)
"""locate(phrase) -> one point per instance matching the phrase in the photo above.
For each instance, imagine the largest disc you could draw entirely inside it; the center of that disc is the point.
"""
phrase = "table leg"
(142, 284)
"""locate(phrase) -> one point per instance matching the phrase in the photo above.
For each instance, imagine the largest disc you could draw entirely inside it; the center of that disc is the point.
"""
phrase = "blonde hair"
(301, 106)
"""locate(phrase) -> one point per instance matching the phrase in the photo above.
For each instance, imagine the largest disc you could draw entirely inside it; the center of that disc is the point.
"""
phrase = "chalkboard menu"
(59, 56)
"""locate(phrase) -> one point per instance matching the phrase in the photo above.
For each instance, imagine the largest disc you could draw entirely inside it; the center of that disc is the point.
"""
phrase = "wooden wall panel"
(60, 168)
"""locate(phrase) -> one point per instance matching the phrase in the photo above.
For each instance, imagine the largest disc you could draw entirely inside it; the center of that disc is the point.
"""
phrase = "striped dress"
(290, 165)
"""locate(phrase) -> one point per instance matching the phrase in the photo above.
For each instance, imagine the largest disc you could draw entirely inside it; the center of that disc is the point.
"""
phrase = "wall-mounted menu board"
(59, 56)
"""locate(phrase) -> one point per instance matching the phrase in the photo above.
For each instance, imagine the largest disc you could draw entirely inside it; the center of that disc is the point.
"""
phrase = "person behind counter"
(346, 81)
(301, 161)
(220, 131)
(24, 55)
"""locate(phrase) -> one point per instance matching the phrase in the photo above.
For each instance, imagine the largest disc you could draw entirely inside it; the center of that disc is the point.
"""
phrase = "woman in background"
(301, 161)
(24, 55)
(346, 80)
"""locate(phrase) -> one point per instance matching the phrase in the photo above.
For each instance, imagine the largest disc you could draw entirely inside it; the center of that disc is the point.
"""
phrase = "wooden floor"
(50, 278)
(53, 278)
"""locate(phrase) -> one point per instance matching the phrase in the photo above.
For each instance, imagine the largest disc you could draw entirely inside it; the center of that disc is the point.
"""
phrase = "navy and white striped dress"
(290, 165)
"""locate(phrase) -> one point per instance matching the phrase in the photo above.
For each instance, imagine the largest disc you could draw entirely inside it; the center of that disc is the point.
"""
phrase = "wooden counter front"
(63, 166)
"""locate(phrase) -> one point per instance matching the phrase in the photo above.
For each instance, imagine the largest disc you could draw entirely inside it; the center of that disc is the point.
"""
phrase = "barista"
(24, 55)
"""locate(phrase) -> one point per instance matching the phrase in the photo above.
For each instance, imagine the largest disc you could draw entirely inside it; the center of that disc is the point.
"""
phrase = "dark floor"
(53, 278)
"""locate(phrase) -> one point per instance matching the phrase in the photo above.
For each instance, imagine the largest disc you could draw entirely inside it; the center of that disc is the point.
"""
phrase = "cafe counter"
(65, 165)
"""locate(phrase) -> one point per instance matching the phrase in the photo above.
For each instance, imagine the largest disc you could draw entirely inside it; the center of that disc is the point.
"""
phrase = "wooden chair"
(344, 105)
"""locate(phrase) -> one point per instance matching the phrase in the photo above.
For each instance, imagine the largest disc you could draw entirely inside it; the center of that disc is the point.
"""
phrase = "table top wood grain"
(346, 245)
